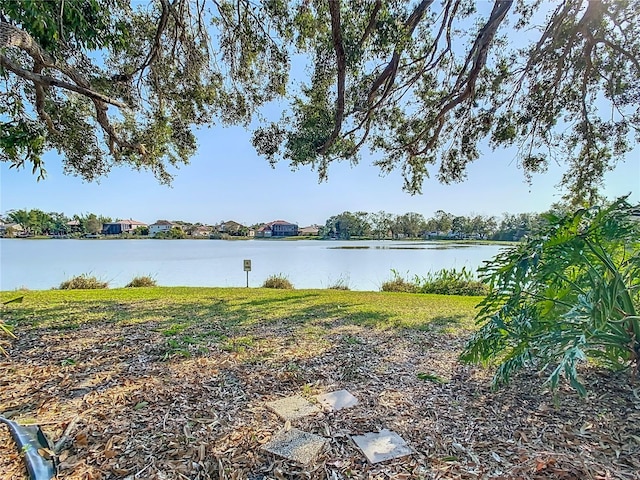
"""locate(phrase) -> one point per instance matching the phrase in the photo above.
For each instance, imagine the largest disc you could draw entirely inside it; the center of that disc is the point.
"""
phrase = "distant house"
(11, 230)
(278, 228)
(264, 231)
(230, 227)
(123, 226)
(161, 226)
(310, 231)
(74, 226)
(200, 231)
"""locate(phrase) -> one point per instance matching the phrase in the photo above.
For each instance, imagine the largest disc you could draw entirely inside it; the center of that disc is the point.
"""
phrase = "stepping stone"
(291, 408)
(337, 400)
(383, 446)
(296, 445)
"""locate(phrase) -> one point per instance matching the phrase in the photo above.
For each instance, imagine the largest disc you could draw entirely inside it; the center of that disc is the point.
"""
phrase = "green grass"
(226, 316)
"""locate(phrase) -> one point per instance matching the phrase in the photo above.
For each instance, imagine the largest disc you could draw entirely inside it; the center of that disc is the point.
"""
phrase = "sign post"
(247, 268)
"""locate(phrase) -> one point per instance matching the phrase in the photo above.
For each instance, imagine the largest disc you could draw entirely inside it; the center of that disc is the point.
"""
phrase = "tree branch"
(336, 34)
(48, 81)
(15, 37)
(465, 84)
(389, 73)
(152, 55)
(372, 23)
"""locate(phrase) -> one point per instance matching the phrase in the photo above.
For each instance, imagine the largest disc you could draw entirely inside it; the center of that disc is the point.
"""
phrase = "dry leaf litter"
(131, 411)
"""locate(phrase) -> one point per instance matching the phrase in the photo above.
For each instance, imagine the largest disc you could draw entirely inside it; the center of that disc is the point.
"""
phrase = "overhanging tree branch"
(336, 35)
(14, 37)
(464, 87)
(387, 76)
(48, 81)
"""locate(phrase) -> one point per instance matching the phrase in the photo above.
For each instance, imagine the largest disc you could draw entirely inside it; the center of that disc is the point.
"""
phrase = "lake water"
(362, 265)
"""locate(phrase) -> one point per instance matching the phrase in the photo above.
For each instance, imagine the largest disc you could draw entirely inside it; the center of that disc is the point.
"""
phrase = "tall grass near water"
(442, 282)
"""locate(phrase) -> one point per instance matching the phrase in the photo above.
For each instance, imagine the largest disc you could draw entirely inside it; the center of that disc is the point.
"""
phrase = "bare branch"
(477, 56)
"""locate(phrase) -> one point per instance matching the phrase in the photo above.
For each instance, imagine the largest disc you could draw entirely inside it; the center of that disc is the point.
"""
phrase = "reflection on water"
(43, 264)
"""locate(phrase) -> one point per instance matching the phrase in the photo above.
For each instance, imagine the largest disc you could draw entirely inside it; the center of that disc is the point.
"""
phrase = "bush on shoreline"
(278, 281)
(83, 282)
(442, 282)
(341, 283)
(143, 281)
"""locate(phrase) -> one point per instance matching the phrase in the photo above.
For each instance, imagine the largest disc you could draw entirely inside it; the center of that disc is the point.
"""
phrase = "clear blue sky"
(226, 180)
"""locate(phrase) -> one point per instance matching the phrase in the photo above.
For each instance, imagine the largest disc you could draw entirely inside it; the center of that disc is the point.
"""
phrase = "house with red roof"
(277, 228)
(161, 226)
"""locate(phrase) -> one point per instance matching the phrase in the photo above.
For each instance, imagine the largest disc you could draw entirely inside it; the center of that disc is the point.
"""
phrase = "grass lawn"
(172, 383)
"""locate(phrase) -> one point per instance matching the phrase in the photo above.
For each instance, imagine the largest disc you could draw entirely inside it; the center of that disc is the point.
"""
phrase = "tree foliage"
(568, 295)
(108, 82)
(425, 86)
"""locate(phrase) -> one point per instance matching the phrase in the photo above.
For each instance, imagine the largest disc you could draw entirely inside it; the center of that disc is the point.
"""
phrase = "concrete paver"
(296, 445)
(292, 408)
(382, 446)
(337, 400)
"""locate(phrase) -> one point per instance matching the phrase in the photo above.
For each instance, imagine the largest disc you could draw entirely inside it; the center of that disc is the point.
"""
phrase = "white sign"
(247, 265)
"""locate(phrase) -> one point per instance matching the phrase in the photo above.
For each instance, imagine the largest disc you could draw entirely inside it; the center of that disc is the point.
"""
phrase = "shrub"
(83, 282)
(278, 281)
(144, 281)
(399, 284)
(568, 295)
(340, 284)
(442, 282)
(453, 282)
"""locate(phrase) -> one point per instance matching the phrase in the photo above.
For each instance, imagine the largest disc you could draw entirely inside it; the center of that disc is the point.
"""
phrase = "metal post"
(247, 268)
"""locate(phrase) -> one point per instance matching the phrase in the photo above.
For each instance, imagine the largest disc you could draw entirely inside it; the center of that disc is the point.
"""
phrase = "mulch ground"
(133, 410)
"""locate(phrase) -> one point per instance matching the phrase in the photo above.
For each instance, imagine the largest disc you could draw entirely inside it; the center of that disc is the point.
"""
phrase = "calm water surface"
(362, 265)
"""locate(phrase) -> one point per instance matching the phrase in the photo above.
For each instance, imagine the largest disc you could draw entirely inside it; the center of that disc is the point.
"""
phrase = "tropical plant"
(278, 281)
(569, 295)
(83, 282)
(21, 217)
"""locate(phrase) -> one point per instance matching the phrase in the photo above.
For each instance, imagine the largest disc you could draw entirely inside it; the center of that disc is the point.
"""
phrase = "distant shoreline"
(295, 238)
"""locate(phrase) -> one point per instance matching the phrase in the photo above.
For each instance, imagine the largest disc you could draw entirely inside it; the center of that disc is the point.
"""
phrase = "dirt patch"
(143, 407)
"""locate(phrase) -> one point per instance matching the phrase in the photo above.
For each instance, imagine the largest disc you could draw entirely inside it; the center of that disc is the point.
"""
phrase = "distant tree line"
(38, 222)
(383, 225)
(344, 226)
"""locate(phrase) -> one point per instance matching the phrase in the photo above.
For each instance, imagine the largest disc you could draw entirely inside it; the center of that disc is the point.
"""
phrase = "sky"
(227, 180)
